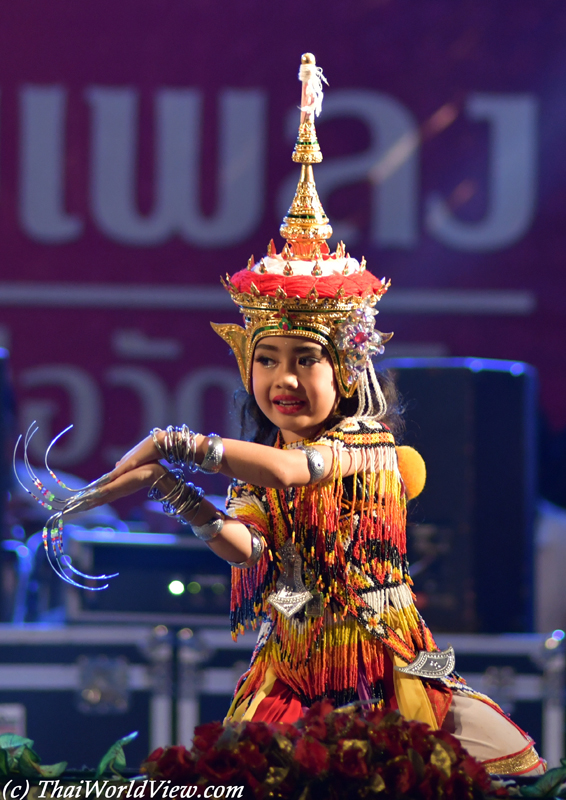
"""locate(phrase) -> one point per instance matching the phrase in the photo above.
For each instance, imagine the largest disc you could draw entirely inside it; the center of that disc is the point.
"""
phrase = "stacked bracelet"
(158, 447)
(180, 448)
(183, 498)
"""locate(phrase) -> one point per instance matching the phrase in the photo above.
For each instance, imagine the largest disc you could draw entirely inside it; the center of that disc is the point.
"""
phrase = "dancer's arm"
(233, 543)
(257, 464)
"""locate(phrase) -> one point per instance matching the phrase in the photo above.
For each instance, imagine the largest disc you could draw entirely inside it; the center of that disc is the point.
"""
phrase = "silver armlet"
(213, 459)
(257, 550)
(315, 463)
(209, 530)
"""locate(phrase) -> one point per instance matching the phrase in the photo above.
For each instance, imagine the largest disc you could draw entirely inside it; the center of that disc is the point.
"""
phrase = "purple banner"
(145, 150)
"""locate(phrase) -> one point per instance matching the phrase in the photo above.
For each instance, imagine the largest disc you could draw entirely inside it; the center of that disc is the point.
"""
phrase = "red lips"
(288, 403)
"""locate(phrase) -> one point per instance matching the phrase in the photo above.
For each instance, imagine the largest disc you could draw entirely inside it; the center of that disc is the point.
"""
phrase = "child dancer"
(315, 523)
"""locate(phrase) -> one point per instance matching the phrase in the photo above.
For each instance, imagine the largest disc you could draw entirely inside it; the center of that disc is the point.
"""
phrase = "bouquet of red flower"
(329, 755)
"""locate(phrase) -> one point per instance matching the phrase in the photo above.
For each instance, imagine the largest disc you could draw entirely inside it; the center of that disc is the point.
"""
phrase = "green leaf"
(52, 770)
(115, 759)
(11, 740)
(546, 784)
(14, 746)
(27, 763)
(417, 761)
(4, 766)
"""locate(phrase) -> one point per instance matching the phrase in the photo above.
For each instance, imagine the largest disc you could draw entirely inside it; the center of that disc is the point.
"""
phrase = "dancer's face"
(294, 385)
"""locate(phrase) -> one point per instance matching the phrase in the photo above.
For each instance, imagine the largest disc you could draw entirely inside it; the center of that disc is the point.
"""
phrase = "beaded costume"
(357, 573)
(332, 589)
(327, 577)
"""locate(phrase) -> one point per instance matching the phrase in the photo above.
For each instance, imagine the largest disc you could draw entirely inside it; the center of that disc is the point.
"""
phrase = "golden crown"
(306, 290)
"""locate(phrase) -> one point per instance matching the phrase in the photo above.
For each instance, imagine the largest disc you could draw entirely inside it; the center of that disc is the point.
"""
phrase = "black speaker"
(470, 533)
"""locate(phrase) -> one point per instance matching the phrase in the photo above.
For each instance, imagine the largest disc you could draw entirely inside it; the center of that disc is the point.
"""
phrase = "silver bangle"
(257, 550)
(153, 433)
(213, 459)
(181, 500)
(315, 463)
(210, 530)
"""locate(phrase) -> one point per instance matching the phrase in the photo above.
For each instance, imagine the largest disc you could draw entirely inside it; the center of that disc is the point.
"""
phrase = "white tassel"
(370, 404)
(312, 77)
(380, 412)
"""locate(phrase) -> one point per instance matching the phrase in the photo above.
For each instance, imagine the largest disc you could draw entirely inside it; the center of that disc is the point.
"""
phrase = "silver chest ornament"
(291, 594)
(431, 665)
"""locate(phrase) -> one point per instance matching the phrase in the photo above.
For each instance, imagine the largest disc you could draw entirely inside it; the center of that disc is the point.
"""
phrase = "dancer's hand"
(127, 483)
(145, 452)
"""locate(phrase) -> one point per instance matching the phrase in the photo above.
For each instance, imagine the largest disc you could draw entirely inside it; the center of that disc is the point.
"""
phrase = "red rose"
(318, 710)
(400, 773)
(252, 783)
(311, 755)
(258, 733)
(351, 758)
(359, 728)
(220, 766)
(476, 771)
(314, 720)
(286, 729)
(422, 743)
(387, 741)
(151, 765)
(175, 764)
(375, 715)
(252, 757)
(207, 735)
(342, 724)
(458, 787)
(316, 728)
(431, 787)
(156, 755)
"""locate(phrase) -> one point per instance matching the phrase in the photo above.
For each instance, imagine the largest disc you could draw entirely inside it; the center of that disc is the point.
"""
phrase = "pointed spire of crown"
(306, 225)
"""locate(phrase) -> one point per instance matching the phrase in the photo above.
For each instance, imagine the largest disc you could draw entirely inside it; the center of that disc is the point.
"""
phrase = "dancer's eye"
(265, 361)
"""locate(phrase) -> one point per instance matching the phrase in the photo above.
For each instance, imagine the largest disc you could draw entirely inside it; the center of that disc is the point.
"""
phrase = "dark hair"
(256, 427)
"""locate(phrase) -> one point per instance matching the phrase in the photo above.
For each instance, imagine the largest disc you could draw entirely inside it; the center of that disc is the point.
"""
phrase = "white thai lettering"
(42, 178)
(178, 154)
(512, 177)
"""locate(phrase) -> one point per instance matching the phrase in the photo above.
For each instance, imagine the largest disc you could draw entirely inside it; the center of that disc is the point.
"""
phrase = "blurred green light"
(217, 588)
(193, 587)
(176, 587)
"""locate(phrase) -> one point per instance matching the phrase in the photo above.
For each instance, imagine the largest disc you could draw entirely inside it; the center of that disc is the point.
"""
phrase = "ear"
(235, 337)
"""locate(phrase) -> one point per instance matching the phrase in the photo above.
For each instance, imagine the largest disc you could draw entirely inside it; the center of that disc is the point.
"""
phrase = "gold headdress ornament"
(305, 290)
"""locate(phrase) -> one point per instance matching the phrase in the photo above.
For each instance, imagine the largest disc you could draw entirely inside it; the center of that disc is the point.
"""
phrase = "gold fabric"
(411, 695)
(244, 710)
(522, 762)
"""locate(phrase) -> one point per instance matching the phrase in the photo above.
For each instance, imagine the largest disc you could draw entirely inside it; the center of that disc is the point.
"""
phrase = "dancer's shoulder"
(357, 430)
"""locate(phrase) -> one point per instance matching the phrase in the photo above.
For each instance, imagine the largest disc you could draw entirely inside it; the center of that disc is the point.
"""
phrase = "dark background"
(405, 77)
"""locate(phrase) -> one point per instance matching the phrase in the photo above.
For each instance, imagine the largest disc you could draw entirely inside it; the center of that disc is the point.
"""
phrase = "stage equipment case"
(78, 688)
(147, 563)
